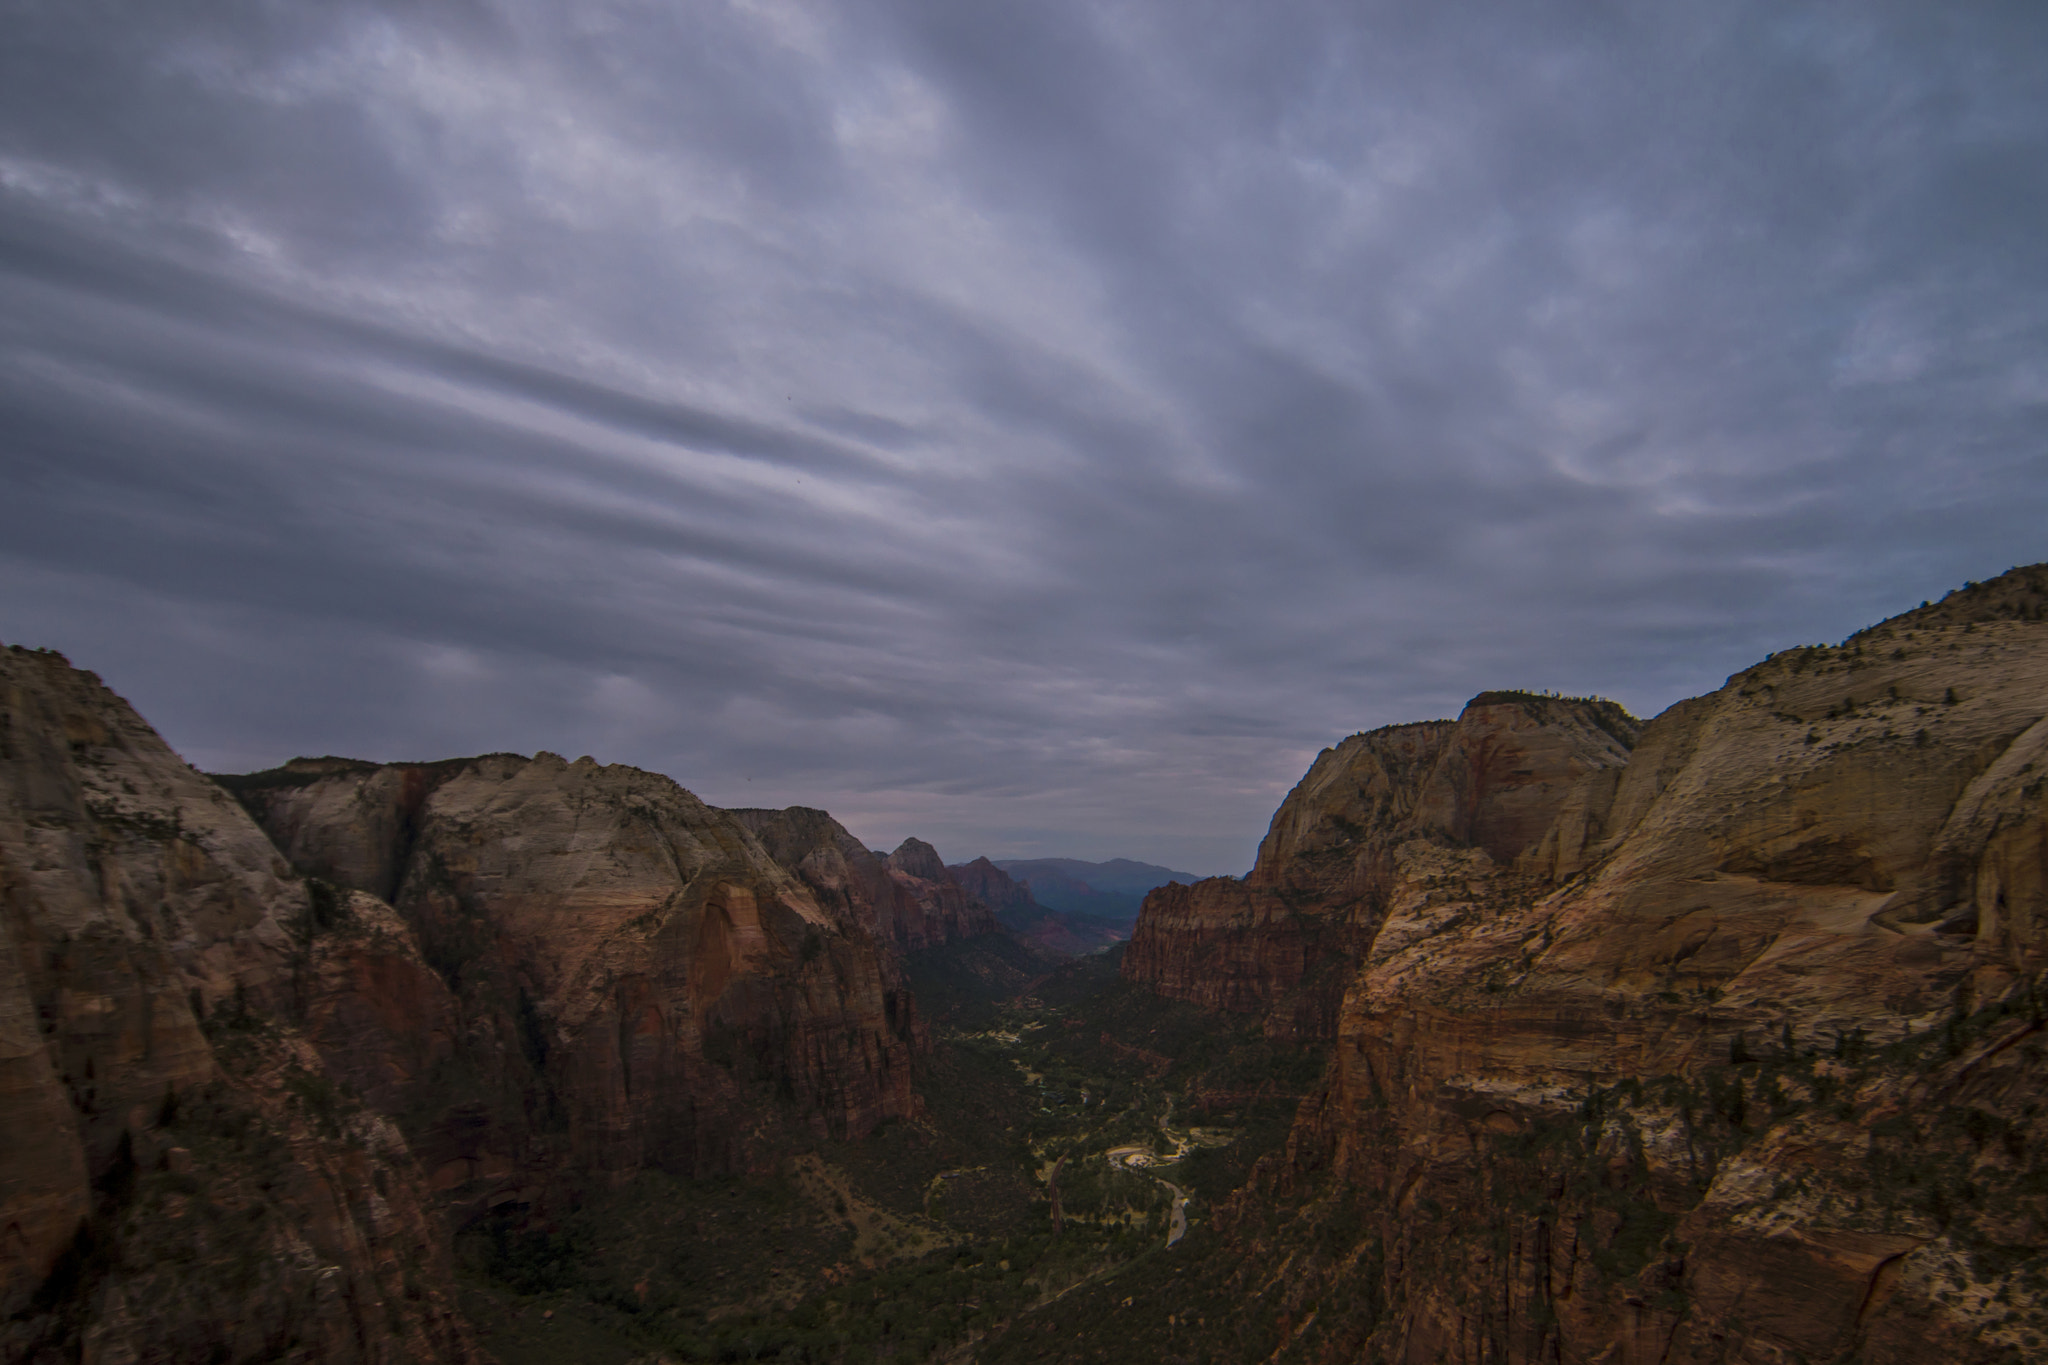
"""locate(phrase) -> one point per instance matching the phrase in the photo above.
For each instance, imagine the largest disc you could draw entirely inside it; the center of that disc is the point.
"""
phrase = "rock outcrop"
(940, 909)
(1283, 942)
(178, 1177)
(1741, 1061)
(908, 898)
(992, 886)
(634, 980)
(1017, 910)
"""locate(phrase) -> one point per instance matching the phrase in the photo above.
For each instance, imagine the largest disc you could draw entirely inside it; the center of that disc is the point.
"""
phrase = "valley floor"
(1072, 1144)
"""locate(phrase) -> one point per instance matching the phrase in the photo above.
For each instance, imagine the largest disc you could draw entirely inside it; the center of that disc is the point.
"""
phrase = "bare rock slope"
(634, 981)
(1739, 1060)
(178, 1177)
(1283, 941)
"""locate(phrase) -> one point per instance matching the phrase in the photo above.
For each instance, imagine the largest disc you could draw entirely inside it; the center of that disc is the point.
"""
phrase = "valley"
(1540, 1034)
(935, 1237)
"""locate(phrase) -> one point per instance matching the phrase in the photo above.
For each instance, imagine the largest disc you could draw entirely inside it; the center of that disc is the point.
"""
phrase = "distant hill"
(1111, 891)
(1061, 931)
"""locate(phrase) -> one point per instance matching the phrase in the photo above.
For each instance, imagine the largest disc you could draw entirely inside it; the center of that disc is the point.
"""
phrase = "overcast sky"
(1038, 427)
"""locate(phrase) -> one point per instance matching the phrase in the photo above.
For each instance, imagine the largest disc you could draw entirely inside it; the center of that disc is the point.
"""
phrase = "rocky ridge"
(1739, 1060)
(251, 1091)
(630, 977)
(1282, 942)
(1018, 910)
(177, 1171)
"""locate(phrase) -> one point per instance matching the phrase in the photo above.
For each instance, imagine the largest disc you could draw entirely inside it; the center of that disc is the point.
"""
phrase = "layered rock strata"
(1283, 942)
(633, 979)
(167, 1187)
(1742, 1062)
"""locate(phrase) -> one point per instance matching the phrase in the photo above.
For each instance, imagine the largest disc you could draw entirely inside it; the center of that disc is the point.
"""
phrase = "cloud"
(1037, 428)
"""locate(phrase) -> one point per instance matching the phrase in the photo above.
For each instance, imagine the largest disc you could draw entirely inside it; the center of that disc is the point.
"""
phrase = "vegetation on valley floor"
(931, 1238)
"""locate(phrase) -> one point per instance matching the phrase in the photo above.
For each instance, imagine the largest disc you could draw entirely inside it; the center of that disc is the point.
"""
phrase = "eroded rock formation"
(992, 886)
(1283, 941)
(942, 911)
(1019, 911)
(1741, 1061)
(634, 980)
(247, 1101)
(177, 1172)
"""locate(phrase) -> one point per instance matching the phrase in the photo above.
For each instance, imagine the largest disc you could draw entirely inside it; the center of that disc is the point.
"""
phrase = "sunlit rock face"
(1283, 941)
(1741, 1060)
(636, 980)
(159, 955)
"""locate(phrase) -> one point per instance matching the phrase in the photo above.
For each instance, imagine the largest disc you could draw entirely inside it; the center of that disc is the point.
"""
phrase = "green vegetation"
(930, 1237)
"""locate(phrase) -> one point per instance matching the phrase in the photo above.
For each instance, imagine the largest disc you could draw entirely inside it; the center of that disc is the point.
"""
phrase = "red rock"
(617, 955)
(1283, 941)
(137, 898)
(1530, 1088)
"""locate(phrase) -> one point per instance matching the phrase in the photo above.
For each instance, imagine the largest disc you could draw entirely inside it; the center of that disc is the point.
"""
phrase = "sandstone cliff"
(1017, 910)
(632, 979)
(992, 886)
(1740, 1062)
(943, 910)
(178, 1177)
(1283, 941)
(908, 899)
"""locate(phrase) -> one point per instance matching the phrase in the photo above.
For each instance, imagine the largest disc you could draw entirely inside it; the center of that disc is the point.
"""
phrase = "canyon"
(1716, 1040)
(1539, 1034)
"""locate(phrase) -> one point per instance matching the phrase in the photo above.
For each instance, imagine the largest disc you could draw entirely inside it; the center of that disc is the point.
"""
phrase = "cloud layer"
(1035, 427)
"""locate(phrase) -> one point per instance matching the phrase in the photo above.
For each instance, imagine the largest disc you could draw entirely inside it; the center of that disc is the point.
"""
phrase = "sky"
(1039, 428)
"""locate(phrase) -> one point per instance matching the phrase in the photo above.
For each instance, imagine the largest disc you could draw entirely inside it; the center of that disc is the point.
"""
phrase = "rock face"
(1741, 1061)
(941, 911)
(908, 899)
(1017, 910)
(992, 886)
(153, 1075)
(1282, 942)
(632, 980)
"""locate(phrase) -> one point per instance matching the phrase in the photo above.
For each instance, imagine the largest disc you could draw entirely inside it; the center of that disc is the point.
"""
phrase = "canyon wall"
(993, 887)
(633, 979)
(944, 910)
(177, 1171)
(1070, 935)
(908, 898)
(1283, 941)
(1740, 1060)
(249, 1094)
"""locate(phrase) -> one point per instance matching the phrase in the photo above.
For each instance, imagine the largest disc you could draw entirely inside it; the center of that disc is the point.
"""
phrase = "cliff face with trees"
(1739, 1059)
(1713, 1039)
(252, 1085)
(630, 976)
(179, 1173)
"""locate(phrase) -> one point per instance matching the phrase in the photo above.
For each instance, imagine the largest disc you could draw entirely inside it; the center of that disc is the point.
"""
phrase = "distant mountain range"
(1111, 891)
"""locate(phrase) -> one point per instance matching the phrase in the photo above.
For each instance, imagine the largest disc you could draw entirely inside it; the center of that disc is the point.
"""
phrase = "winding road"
(1138, 1158)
